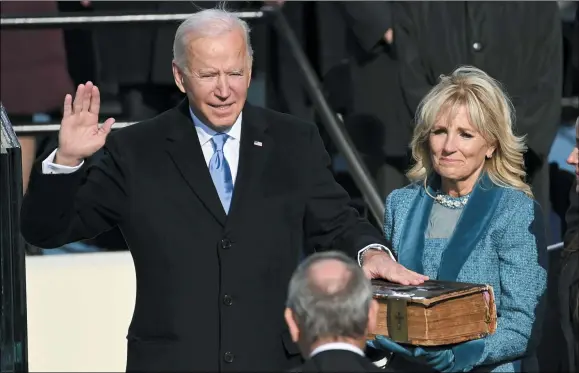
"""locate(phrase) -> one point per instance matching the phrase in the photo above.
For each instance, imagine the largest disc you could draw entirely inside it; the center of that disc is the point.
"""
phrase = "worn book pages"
(435, 313)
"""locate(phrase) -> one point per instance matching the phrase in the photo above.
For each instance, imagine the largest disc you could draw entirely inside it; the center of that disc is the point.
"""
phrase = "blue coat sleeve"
(523, 280)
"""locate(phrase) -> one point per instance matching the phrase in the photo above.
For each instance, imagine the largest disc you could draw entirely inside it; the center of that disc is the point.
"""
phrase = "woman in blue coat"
(470, 217)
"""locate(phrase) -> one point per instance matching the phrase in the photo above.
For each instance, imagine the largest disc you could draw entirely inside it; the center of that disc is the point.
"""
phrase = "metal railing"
(572, 102)
(83, 20)
(555, 247)
(54, 127)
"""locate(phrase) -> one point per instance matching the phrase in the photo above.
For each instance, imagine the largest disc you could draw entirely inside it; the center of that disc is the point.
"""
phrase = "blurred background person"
(569, 278)
(566, 346)
(572, 215)
(329, 312)
(364, 88)
(33, 75)
(349, 45)
(469, 216)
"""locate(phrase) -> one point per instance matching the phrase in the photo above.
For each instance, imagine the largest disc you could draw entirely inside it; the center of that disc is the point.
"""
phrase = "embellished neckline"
(451, 202)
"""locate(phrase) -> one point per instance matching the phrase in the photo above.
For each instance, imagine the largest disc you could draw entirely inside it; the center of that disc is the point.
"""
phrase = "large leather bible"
(435, 313)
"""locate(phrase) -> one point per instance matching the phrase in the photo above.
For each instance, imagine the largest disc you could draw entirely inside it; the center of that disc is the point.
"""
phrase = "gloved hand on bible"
(461, 357)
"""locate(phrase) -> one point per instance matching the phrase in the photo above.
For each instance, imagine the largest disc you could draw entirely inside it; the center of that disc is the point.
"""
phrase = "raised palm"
(80, 133)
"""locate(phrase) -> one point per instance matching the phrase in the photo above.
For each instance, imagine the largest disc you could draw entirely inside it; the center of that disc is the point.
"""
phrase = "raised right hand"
(80, 135)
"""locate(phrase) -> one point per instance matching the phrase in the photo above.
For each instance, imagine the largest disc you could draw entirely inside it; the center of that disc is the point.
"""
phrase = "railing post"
(13, 321)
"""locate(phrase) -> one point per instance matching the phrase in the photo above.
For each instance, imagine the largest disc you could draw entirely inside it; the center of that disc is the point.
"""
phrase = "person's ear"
(372, 316)
(490, 151)
(179, 77)
(292, 325)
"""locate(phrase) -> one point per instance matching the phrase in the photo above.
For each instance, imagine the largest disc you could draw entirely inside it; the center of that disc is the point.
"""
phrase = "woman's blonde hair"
(490, 112)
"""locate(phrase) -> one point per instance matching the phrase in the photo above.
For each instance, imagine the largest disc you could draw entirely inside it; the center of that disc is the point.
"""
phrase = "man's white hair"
(207, 23)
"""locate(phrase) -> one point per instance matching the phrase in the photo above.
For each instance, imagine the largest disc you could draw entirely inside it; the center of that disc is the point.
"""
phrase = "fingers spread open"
(95, 103)
(107, 125)
(67, 107)
(87, 96)
(78, 97)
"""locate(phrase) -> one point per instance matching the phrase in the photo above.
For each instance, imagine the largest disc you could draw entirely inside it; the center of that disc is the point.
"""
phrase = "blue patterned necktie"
(220, 171)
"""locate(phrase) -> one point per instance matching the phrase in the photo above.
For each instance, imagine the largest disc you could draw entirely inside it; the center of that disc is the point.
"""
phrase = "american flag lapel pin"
(257, 143)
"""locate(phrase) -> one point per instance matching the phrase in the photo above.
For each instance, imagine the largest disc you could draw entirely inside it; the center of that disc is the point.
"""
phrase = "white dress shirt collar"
(205, 133)
(337, 346)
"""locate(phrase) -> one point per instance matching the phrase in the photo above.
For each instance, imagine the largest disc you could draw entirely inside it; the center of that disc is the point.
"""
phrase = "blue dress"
(499, 239)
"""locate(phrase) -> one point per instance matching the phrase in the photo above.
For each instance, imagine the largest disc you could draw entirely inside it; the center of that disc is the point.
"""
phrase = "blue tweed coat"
(499, 240)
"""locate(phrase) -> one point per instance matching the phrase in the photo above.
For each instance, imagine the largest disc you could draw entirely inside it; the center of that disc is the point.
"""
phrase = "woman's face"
(458, 152)
(573, 158)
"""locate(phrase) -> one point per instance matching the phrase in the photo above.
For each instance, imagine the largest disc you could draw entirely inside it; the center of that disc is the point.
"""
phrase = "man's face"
(216, 78)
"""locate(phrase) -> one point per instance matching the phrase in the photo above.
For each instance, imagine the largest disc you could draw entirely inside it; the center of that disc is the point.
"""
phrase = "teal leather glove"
(459, 358)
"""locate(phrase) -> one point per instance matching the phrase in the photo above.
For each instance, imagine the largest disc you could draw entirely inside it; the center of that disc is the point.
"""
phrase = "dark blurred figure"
(569, 276)
(561, 179)
(572, 216)
(569, 293)
(570, 25)
(126, 63)
(80, 48)
(349, 46)
(517, 43)
(286, 85)
(33, 74)
(364, 88)
(560, 344)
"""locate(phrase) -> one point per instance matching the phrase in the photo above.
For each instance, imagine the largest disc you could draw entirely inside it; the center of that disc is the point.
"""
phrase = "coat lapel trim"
(412, 245)
(473, 223)
(185, 151)
(255, 148)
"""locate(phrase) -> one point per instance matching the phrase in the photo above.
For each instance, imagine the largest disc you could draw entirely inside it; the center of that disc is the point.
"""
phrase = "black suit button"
(227, 300)
(225, 243)
(228, 357)
(477, 46)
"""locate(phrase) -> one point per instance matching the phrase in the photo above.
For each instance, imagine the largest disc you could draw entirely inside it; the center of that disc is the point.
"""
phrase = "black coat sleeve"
(330, 222)
(413, 67)
(368, 20)
(62, 208)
